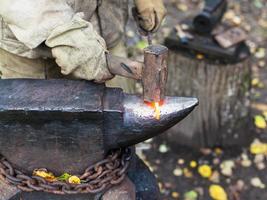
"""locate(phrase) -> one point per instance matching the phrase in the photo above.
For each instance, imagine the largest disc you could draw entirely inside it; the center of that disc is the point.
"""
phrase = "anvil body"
(68, 125)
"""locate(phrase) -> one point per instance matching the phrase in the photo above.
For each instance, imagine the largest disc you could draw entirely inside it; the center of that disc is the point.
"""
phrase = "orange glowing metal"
(157, 111)
(156, 107)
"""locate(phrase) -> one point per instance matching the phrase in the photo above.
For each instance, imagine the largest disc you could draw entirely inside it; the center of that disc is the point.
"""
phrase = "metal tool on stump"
(209, 59)
(203, 29)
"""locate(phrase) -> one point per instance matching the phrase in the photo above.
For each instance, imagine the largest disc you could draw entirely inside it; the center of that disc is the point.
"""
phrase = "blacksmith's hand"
(80, 51)
(150, 14)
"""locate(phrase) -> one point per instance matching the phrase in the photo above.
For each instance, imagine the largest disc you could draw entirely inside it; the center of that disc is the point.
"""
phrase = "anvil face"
(68, 125)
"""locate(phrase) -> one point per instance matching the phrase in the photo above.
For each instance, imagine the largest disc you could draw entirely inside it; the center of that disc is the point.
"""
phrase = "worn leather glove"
(79, 50)
(150, 14)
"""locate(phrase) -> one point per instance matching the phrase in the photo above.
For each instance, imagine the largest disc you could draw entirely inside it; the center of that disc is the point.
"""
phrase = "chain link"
(95, 179)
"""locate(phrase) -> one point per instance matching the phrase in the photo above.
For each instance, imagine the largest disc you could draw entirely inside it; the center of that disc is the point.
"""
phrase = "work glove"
(150, 14)
(79, 50)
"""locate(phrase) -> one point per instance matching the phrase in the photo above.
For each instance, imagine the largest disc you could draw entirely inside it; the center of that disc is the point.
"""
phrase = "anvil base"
(145, 184)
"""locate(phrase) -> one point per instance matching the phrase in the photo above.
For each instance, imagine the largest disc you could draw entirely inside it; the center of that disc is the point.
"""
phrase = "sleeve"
(32, 21)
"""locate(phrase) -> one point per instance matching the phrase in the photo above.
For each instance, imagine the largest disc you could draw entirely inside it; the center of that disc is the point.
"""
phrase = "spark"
(157, 110)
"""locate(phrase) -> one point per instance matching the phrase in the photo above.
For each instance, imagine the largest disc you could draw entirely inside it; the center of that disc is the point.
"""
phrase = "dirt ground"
(241, 174)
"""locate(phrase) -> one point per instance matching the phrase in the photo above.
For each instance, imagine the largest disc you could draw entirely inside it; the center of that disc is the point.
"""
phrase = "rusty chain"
(95, 179)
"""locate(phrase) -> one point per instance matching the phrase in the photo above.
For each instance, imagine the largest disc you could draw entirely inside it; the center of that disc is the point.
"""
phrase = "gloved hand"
(79, 50)
(150, 14)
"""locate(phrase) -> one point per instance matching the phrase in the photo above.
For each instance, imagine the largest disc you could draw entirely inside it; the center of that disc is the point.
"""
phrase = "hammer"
(152, 72)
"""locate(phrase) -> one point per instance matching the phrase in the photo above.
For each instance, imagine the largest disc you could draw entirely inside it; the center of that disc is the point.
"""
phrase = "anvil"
(67, 125)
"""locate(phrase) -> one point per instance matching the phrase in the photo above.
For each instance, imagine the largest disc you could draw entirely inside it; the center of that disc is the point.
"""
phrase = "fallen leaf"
(260, 122)
(199, 56)
(258, 148)
(205, 171)
(246, 162)
(218, 151)
(187, 173)
(217, 192)
(193, 164)
(260, 53)
(64, 177)
(178, 172)
(74, 180)
(175, 195)
(260, 166)
(180, 161)
(191, 195)
(163, 148)
(44, 174)
(259, 158)
(256, 182)
(227, 167)
(215, 177)
(255, 82)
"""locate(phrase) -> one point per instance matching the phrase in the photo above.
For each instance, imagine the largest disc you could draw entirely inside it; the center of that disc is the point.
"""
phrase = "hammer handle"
(125, 67)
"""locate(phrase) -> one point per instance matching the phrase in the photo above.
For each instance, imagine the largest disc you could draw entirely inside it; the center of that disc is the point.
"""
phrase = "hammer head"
(155, 72)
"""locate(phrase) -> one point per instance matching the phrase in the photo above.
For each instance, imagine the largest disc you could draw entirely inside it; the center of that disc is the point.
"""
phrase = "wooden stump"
(222, 117)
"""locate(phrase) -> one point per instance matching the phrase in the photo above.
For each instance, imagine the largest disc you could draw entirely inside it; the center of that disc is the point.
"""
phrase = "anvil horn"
(139, 120)
(68, 125)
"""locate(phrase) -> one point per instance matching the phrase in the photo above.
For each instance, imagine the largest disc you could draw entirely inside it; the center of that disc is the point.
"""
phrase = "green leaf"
(191, 195)
(260, 122)
(64, 177)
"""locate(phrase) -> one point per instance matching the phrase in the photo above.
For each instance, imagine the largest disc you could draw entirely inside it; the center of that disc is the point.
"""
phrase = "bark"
(222, 117)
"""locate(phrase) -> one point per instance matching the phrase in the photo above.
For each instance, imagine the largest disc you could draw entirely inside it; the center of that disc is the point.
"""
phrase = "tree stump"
(222, 117)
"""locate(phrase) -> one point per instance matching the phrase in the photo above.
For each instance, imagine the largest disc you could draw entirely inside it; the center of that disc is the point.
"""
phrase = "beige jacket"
(26, 24)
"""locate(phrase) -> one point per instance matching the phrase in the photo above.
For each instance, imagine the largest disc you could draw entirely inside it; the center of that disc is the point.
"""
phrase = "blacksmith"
(56, 38)
(42, 39)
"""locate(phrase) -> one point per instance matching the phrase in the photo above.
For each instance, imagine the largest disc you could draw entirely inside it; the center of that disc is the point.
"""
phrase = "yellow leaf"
(265, 115)
(74, 180)
(217, 192)
(175, 195)
(193, 164)
(260, 122)
(258, 148)
(260, 53)
(218, 151)
(200, 56)
(205, 171)
(187, 173)
(44, 174)
(255, 81)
